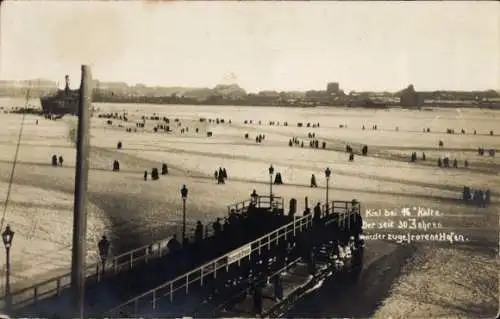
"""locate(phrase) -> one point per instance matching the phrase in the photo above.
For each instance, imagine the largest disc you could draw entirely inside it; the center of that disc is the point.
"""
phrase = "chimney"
(66, 80)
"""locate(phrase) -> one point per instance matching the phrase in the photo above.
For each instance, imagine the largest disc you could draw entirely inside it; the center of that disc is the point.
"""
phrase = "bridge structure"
(54, 293)
(218, 285)
(156, 284)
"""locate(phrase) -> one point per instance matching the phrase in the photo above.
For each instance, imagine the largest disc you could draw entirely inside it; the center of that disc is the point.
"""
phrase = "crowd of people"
(441, 161)
(155, 174)
(231, 232)
(445, 162)
(160, 123)
(253, 275)
(349, 150)
(57, 161)
(481, 151)
(220, 175)
(258, 139)
(478, 197)
(295, 141)
(331, 236)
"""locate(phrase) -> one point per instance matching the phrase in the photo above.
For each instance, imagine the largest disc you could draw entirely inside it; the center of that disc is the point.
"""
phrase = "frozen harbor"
(133, 212)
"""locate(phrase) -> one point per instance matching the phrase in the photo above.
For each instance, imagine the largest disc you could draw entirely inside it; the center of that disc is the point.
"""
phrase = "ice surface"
(133, 212)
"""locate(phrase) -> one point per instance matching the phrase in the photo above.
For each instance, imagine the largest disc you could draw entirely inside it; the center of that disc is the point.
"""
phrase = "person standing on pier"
(254, 196)
(257, 299)
(173, 244)
(198, 233)
(312, 262)
(317, 213)
(103, 246)
(278, 287)
(217, 227)
(307, 211)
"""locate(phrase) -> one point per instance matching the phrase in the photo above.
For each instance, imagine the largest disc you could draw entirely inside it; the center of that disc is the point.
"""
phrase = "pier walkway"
(134, 272)
(218, 287)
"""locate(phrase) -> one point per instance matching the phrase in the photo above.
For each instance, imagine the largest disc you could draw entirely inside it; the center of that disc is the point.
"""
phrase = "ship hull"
(60, 105)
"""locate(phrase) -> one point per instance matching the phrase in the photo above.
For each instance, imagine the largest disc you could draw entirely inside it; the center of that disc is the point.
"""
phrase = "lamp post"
(7, 237)
(271, 172)
(184, 194)
(328, 172)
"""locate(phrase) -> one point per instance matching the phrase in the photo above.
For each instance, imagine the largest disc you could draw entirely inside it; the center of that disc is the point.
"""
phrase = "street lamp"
(271, 172)
(328, 172)
(7, 237)
(184, 194)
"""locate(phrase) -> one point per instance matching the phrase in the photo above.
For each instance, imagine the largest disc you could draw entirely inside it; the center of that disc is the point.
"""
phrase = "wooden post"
(80, 200)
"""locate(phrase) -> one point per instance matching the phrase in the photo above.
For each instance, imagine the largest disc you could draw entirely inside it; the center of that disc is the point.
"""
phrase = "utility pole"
(80, 201)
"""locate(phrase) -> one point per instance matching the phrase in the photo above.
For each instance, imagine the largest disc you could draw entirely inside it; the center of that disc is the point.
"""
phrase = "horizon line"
(131, 85)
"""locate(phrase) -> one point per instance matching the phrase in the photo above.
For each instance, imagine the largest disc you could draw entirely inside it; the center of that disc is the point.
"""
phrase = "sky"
(258, 45)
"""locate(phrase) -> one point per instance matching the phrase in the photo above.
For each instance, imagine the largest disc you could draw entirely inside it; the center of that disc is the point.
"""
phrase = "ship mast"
(66, 87)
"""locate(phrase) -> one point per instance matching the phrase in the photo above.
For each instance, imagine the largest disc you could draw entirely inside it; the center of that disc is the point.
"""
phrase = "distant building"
(34, 84)
(316, 94)
(333, 88)
(114, 85)
(410, 98)
(272, 94)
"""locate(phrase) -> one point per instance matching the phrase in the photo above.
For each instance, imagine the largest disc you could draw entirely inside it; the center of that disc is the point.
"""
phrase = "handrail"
(116, 264)
(184, 280)
(123, 261)
(346, 206)
(151, 251)
(261, 202)
(214, 263)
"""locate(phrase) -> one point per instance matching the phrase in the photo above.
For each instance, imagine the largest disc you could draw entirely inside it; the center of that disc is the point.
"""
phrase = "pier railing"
(260, 202)
(116, 264)
(196, 276)
(341, 208)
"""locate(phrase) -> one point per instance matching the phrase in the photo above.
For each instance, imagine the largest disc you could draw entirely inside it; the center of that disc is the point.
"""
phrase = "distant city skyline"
(278, 46)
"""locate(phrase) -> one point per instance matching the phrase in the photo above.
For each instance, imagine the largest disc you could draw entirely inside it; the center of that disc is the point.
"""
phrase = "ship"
(62, 102)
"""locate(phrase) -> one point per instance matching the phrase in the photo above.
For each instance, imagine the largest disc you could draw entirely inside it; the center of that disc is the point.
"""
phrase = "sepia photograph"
(249, 159)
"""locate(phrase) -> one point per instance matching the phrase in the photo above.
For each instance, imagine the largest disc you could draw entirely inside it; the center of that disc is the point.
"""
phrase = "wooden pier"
(188, 293)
